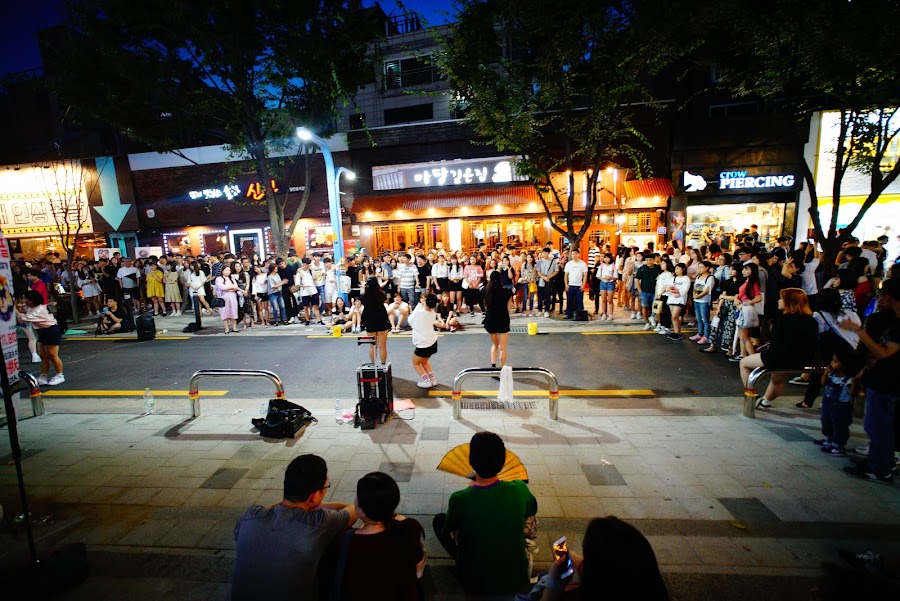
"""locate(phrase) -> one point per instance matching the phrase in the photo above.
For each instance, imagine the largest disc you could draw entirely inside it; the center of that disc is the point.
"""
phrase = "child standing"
(837, 403)
(424, 338)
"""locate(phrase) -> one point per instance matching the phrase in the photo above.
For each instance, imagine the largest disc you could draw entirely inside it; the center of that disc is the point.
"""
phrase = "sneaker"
(35, 358)
(636, 315)
(822, 443)
(57, 379)
(694, 338)
(546, 314)
(736, 358)
(426, 383)
(320, 322)
(798, 381)
(653, 321)
(833, 451)
(862, 451)
(703, 340)
(674, 336)
(609, 318)
(452, 328)
(306, 323)
(42, 380)
(663, 331)
(647, 326)
(862, 472)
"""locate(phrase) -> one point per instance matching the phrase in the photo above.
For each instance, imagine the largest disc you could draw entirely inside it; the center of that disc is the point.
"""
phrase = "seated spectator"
(397, 312)
(483, 529)
(279, 547)
(114, 318)
(385, 558)
(617, 563)
(793, 344)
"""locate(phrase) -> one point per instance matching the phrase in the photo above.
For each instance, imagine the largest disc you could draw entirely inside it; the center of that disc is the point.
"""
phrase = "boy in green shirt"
(484, 527)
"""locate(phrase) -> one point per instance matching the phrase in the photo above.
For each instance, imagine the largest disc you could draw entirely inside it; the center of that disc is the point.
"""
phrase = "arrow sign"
(112, 209)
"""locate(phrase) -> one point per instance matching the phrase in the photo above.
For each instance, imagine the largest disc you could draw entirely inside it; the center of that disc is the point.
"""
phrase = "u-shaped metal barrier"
(194, 392)
(751, 391)
(471, 372)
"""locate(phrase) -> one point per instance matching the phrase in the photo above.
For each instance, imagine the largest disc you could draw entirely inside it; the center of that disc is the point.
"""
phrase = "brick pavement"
(156, 497)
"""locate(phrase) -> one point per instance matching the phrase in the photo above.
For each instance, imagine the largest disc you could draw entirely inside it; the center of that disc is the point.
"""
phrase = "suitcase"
(375, 387)
(146, 327)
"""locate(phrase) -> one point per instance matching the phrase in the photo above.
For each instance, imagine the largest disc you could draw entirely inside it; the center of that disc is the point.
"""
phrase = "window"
(406, 72)
(358, 121)
(417, 112)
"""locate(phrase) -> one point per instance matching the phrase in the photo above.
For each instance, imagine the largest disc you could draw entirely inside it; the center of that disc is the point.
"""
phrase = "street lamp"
(332, 179)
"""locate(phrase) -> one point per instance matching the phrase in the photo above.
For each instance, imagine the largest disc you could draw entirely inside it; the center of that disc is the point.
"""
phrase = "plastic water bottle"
(338, 411)
(149, 402)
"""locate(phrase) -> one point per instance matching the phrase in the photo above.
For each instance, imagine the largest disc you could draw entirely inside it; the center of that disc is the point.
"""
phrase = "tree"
(559, 85)
(69, 184)
(245, 72)
(803, 57)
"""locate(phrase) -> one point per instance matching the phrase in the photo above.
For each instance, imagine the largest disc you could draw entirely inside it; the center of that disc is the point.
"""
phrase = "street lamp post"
(332, 180)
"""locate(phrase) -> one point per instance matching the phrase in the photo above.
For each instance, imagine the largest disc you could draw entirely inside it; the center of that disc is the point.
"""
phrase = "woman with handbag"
(793, 344)
(661, 304)
(244, 304)
(528, 282)
(226, 289)
(748, 297)
(197, 286)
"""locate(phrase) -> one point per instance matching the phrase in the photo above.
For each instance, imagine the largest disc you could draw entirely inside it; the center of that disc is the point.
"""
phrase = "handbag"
(532, 287)
(283, 420)
(217, 302)
(715, 322)
(748, 318)
(465, 283)
(657, 306)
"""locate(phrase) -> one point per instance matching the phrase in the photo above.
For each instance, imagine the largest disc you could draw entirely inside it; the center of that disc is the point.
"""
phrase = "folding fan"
(456, 462)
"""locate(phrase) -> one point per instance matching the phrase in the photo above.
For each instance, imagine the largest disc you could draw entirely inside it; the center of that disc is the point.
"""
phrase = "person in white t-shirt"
(129, 279)
(424, 338)
(397, 311)
(576, 272)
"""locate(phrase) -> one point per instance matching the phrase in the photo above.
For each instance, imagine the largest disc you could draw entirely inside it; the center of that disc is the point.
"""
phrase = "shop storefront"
(220, 207)
(38, 201)
(718, 204)
(882, 218)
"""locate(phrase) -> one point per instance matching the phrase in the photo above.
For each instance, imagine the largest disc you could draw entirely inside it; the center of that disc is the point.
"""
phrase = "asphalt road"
(325, 367)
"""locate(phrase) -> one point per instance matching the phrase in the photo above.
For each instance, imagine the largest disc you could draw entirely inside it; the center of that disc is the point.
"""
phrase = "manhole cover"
(499, 405)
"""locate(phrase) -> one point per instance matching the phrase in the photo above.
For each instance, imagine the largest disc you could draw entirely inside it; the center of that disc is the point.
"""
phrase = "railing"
(194, 392)
(751, 392)
(495, 372)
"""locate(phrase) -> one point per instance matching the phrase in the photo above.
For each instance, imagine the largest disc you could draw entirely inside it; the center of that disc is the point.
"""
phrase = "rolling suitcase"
(375, 388)
(146, 327)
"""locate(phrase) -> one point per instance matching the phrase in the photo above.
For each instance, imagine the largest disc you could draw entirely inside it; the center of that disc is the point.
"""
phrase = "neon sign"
(255, 191)
(458, 172)
(739, 179)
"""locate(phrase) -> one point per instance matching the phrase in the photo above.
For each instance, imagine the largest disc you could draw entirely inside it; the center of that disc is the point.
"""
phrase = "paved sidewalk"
(155, 497)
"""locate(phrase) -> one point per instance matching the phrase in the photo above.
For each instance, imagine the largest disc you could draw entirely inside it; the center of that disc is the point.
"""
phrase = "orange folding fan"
(456, 462)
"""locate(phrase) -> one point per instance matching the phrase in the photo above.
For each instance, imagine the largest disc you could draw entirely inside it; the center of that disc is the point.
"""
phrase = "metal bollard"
(34, 391)
(456, 392)
(194, 392)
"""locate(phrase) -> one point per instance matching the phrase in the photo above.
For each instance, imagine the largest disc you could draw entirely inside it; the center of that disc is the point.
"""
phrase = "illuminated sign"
(254, 191)
(747, 180)
(458, 172)
(739, 179)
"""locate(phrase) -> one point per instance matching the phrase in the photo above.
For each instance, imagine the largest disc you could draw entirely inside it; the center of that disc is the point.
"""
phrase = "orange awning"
(445, 198)
(650, 192)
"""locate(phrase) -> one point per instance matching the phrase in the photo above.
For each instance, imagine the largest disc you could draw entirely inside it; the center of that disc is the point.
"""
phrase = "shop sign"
(27, 205)
(8, 322)
(253, 191)
(441, 174)
(749, 180)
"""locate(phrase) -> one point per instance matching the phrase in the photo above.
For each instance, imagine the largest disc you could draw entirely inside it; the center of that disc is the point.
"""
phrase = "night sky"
(22, 19)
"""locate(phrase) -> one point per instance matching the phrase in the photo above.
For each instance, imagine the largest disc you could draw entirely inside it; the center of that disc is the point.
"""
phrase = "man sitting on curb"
(114, 318)
(279, 547)
(484, 527)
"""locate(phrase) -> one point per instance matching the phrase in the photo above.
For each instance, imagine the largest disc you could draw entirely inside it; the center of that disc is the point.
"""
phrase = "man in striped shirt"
(408, 275)
(593, 257)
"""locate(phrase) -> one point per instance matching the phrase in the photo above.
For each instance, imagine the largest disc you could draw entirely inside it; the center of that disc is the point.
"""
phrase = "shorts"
(51, 336)
(427, 351)
(647, 299)
(607, 286)
(310, 301)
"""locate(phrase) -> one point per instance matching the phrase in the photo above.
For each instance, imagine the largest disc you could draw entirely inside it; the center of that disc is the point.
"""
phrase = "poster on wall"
(104, 253)
(144, 252)
(10, 343)
(319, 238)
(676, 225)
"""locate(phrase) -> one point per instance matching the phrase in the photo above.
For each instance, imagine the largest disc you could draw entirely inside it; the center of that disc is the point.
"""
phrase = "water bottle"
(149, 402)
(338, 411)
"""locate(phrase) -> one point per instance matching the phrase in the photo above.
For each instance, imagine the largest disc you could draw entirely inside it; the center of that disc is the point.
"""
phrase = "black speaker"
(146, 327)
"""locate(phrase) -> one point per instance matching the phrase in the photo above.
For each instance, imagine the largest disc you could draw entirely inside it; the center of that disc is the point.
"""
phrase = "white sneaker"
(653, 321)
(35, 358)
(609, 318)
(663, 331)
(57, 379)
(647, 326)
(42, 381)
(424, 384)
(546, 314)
(635, 316)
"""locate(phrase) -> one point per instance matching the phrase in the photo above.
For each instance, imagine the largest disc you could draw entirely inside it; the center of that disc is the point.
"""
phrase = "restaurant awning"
(652, 192)
(446, 198)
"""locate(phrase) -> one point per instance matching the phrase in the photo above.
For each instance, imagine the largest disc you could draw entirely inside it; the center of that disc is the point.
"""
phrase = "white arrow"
(112, 209)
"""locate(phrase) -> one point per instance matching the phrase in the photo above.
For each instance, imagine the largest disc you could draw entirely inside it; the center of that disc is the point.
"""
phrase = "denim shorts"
(607, 286)
(647, 299)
